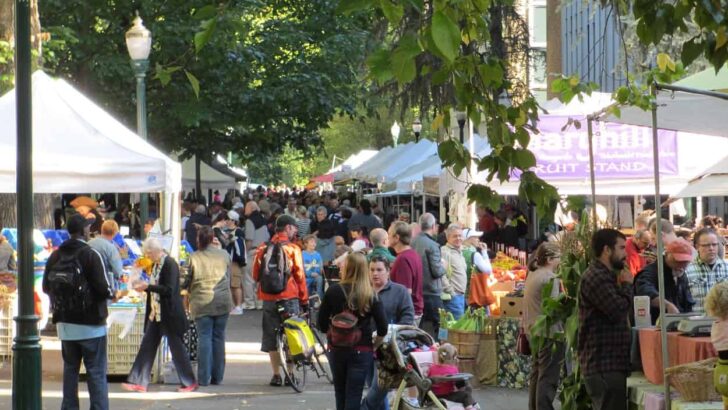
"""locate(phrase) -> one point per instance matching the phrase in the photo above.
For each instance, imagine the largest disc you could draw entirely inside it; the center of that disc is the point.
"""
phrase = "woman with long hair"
(210, 304)
(351, 362)
(547, 361)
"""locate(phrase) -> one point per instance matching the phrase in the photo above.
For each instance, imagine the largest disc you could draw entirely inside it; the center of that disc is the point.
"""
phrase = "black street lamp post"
(417, 128)
(460, 116)
(139, 44)
(26, 346)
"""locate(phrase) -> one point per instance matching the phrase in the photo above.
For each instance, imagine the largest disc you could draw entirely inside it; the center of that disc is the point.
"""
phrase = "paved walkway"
(245, 385)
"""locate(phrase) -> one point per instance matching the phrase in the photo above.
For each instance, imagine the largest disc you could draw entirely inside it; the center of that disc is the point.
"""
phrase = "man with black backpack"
(76, 282)
(278, 271)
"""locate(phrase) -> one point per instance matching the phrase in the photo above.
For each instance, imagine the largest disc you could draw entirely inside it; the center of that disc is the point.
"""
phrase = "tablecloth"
(681, 349)
(513, 368)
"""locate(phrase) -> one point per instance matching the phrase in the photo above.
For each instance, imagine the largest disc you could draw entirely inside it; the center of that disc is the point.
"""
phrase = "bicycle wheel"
(321, 358)
(294, 372)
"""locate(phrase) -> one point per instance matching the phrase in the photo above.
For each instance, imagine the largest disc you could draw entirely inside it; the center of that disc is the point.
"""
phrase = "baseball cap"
(285, 220)
(238, 205)
(469, 233)
(680, 249)
(234, 216)
(76, 223)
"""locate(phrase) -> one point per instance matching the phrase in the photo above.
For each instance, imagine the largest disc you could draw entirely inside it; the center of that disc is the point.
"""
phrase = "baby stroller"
(404, 360)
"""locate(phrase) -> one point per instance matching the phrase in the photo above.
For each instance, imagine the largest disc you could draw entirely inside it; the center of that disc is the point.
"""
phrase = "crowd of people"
(345, 259)
(695, 281)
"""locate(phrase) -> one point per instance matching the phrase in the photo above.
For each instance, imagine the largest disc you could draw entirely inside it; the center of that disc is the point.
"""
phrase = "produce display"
(475, 321)
(506, 268)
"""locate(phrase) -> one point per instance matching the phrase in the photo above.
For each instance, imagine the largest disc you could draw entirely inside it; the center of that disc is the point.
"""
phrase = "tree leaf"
(492, 74)
(380, 66)
(446, 35)
(438, 121)
(194, 82)
(205, 12)
(690, 51)
(523, 159)
(662, 60)
(403, 64)
(393, 12)
(720, 38)
(203, 37)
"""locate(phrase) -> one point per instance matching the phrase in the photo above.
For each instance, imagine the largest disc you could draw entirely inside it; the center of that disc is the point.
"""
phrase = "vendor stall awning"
(78, 147)
(323, 178)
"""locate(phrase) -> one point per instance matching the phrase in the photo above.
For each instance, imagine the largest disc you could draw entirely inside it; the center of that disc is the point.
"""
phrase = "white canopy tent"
(78, 147)
(210, 178)
(384, 166)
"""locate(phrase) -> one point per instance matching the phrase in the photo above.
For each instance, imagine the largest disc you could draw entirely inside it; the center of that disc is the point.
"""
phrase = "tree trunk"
(42, 203)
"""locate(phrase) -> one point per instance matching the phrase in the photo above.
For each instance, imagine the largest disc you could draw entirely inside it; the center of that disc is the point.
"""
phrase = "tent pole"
(589, 120)
(660, 260)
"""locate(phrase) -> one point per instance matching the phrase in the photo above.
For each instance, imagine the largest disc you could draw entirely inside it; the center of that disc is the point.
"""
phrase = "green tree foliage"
(450, 54)
(246, 76)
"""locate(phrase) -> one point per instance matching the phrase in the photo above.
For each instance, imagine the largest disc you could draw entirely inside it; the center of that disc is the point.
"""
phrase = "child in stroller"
(459, 392)
(404, 360)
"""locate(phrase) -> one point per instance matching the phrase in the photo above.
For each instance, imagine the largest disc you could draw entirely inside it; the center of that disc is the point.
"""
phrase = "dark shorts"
(272, 321)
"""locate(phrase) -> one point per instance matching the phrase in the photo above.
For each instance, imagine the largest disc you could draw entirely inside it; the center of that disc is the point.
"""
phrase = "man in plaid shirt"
(605, 300)
(707, 269)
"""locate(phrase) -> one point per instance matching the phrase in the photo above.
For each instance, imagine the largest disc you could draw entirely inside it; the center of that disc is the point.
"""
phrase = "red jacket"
(635, 261)
(296, 287)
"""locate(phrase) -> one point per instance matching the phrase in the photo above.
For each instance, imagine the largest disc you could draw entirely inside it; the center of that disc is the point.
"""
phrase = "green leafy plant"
(576, 254)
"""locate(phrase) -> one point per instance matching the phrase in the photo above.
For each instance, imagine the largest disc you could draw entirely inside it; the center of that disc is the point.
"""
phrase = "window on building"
(537, 68)
(537, 25)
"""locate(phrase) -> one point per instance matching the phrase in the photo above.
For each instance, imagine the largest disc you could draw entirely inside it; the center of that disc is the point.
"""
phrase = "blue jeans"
(350, 369)
(456, 306)
(431, 313)
(316, 286)
(376, 397)
(211, 349)
(93, 353)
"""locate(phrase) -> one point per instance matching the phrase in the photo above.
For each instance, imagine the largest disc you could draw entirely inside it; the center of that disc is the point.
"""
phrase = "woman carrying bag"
(164, 316)
(350, 312)
(210, 304)
(546, 362)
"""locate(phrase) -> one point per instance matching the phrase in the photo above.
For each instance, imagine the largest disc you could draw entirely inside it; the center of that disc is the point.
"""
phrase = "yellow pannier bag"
(300, 338)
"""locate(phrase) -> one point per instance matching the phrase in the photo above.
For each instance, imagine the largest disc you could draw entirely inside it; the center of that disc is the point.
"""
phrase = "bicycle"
(319, 347)
(295, 368)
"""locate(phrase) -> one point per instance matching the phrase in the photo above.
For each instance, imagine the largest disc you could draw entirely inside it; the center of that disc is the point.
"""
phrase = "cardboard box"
(511, 306)
(506, 286)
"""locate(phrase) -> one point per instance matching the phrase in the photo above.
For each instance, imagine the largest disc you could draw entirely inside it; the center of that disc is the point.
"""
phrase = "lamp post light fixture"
(417, 128)
(139, 44)
(395, 132)
(461, 116)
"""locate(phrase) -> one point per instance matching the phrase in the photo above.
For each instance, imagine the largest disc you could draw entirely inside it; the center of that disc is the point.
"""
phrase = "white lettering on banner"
(619, 150)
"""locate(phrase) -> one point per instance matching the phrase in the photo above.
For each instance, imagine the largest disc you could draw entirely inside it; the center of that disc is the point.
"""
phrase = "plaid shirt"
(702, 278)
(604, 332)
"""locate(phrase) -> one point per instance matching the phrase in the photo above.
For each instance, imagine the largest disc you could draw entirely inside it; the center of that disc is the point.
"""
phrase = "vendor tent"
(78, 147)
(707, 80)
(681, 111)
(386, 165)
(210, 178)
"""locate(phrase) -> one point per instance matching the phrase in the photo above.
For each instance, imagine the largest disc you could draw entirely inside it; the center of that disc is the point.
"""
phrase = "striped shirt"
(304, 227)
(702, 277)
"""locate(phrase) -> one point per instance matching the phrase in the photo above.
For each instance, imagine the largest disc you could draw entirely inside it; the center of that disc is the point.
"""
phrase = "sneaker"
(133, 387)
(237, 311)
(188, 389)
(276, 381)
(258, 305)
(249, 306)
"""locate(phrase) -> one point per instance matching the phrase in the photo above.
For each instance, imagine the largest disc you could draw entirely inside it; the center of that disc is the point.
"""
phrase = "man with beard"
(605, 301)
(708, 269)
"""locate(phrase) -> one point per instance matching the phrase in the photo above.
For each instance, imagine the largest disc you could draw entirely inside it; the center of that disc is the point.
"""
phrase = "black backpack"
(275, 269)
(68, 287)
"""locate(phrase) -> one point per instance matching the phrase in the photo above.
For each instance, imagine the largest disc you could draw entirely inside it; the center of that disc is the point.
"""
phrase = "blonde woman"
(546, 365)
(351, 362)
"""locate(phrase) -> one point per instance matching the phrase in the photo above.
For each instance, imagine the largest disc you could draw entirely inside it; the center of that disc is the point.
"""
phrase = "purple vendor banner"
(620, 151)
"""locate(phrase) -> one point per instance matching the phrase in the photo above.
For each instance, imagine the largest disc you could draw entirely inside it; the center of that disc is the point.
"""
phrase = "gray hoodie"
(432, 269)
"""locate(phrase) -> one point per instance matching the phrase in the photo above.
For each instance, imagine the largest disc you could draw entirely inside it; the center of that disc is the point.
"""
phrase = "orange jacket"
(296, 287)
